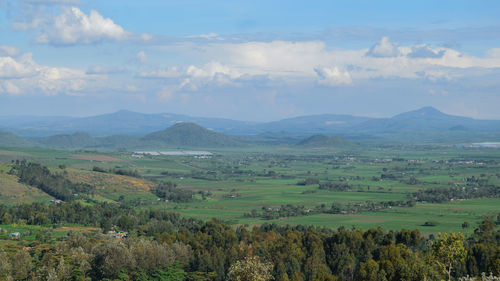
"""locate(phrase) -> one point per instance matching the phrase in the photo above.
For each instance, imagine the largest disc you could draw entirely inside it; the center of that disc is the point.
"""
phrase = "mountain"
(8, 139)
(314, 124)
(320, 140)
(123, 122)
(73, 141)
(190, 135)
(426, 123)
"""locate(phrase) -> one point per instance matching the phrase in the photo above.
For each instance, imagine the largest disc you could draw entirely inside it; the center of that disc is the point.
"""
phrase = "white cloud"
(142, 57)
(8, 51)
(25, 76)
(298, 62)
(332, 76)
(75, 27)
(208, 36)
(384, 49)
(12, 68)
(424, 51)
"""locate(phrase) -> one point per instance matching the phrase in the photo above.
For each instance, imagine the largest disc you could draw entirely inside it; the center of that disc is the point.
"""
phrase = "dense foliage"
(55, 185)
(169, 191)
(164, 246)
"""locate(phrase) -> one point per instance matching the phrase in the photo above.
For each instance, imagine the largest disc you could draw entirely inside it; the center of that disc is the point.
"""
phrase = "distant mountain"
(426, 123)
(190, 135)
(122, 122)
(314, 124)
(8, 139)
(73, 141)
(320, 140)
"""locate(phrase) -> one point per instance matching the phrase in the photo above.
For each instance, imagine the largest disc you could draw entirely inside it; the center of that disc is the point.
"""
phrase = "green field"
(241, 180)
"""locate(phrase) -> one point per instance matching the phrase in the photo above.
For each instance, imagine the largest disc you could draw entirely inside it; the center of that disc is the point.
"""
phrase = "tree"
(449, 251)
(21, 265)
(250, 269)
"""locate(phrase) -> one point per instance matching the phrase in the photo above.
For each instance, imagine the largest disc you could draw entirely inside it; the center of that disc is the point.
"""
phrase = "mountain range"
(132, 129)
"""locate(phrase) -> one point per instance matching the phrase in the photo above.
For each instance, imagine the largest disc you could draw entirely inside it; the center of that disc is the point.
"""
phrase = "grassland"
(240, 181)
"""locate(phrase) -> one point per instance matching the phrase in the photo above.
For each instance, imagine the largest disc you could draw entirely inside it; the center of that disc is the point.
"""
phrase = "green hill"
(73, 141)
(190, 135)
(8, 139)
(320, 140)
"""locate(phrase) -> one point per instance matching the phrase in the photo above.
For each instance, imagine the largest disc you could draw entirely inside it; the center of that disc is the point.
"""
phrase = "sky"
(249, 60)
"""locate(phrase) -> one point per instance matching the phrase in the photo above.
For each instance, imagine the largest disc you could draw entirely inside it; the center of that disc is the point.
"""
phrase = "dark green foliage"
(308, 181)
(442, 194)
(169, 191)
(163, 246)
(335, 186)
(55, 185)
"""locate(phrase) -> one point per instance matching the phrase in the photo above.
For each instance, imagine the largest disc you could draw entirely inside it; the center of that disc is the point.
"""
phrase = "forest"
(165, 246)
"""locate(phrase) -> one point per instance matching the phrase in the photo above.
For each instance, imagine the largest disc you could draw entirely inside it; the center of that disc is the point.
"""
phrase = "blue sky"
(249, 60)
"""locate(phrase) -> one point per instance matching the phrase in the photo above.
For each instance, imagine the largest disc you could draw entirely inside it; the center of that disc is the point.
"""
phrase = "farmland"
(234, 183)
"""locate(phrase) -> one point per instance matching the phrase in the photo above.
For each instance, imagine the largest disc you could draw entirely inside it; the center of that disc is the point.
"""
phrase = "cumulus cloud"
(424, 51)
(73, 26)
(12, 68)
(384, 49)
(279, 63)
(24, 75)
(332, 76)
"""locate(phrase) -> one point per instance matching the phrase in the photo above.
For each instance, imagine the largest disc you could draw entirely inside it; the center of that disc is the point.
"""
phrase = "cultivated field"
(235, 183)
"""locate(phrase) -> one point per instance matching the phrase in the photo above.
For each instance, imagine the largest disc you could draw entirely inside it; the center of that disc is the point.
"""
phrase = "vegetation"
(282, 215)
(164, 245)
(170, 192)
(55, 185)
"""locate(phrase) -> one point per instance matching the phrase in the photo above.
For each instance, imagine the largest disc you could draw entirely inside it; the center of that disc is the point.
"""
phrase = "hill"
(73, 141)
(320, 140)
(14, 192)
(8, 139)
(190, 135)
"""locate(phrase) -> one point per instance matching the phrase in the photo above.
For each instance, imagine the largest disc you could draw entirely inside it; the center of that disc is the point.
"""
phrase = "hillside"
(13, 192)
(320, 140)
(73, 141)
(190, 135)
(8, 139)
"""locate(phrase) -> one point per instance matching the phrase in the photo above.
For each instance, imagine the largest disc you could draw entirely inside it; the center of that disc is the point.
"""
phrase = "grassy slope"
(11, 191)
